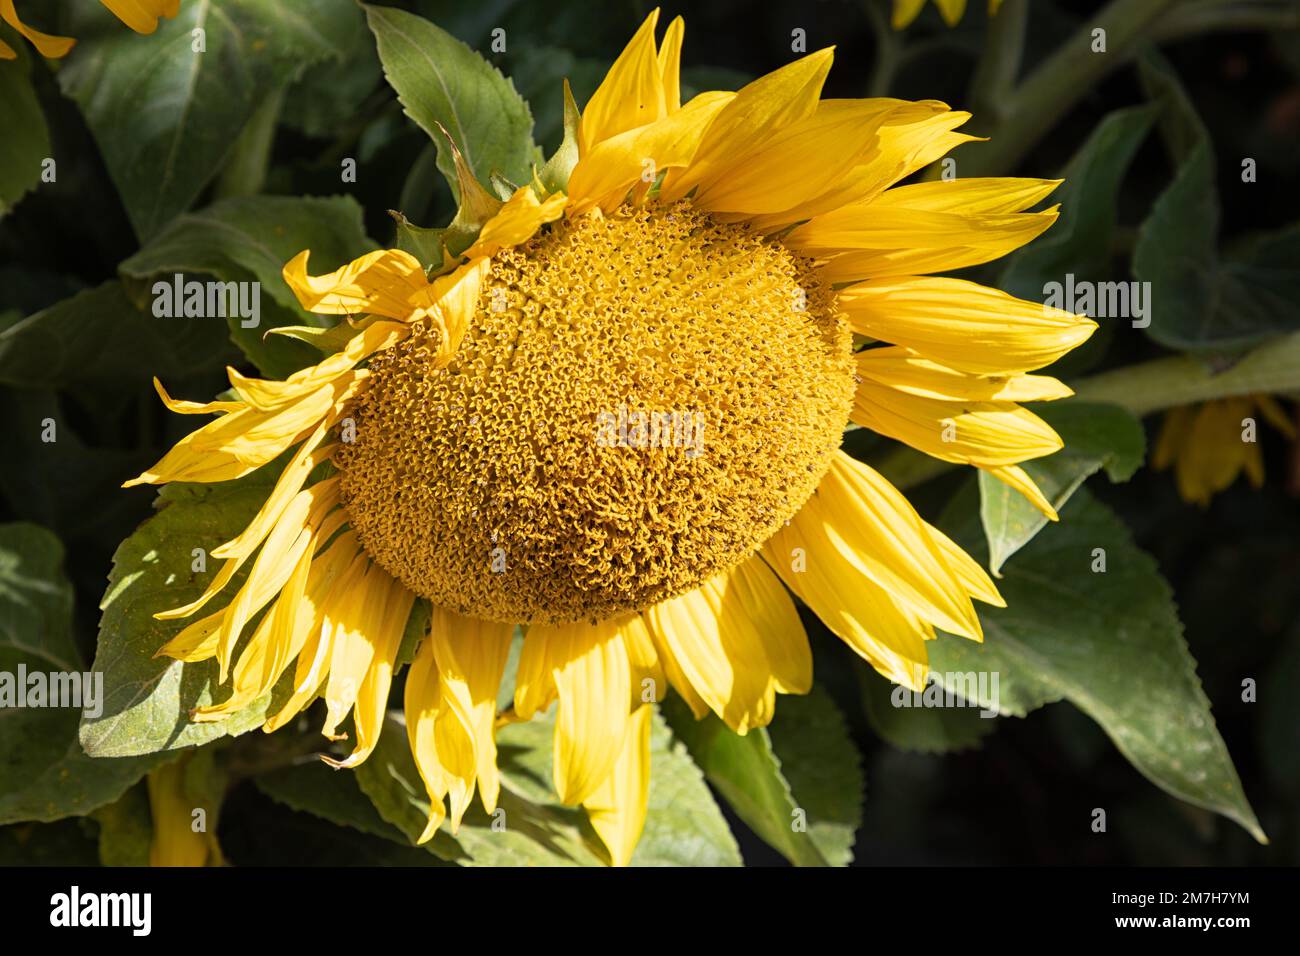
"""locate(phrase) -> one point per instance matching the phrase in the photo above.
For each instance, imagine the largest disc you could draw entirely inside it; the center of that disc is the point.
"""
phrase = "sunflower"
(1207, 446)
(905, 11)
(513, 449)
(140, 15)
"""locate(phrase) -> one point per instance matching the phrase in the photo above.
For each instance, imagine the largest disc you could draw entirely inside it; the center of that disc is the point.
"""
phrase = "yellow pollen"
(640, 401)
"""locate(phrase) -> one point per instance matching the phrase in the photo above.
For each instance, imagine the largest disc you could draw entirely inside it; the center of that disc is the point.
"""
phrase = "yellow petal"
(269, 395)
(878, 531)
(378, 283)
(983, 196)
(670, 61)
(951, 10)
(451, 301)
(760, 110)
(241, 442)
(905, 11)
(589, 666)
(890, 637)
(142, 15)
(325, 587)
(46, 44)
(372, 700)
(617, 808)
(880, 165)
(632, 93)
(171, 810)
(965, 569)
(515, 223)
(354, 618)
(603, 177)
(193, 408)
(984, 434)
(237, 550)
(1275, 414)
(1173, 435)
(799, 162)
(907, 372)
(962, 324)
(423, 704)
(284, 546)
(1017, 478)
(471, 656)
(736, 640)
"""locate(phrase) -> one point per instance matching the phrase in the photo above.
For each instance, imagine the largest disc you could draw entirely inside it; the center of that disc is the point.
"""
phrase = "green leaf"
(824, 770)
(125, 829)
(334, 796)
(330, 96)
(44, 775)
(1095, 436)
(683, 824)
(26, 142)
(329, 794)
(441, 81)
(423, 242)
(250, 239)
(99, 338)
(1111, 643)
(919, 729)
(166, 115)
(749, 773)
(148, 699)
(1201, 300)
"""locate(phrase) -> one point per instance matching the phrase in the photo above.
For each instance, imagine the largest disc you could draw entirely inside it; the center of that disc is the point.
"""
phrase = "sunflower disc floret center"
(639, 402)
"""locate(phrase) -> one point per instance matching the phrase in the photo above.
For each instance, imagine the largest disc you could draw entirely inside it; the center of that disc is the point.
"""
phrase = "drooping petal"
(142, 15)
(736, 640)
(423, 704)
(817, 568)
(617, 808)
(471, 656)
(372, 700)
(589, 667)
(378, 283)
(46, 44)
(878, 531)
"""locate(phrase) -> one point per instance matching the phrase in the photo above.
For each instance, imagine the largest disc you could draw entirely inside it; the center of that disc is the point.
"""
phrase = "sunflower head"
(640, 400)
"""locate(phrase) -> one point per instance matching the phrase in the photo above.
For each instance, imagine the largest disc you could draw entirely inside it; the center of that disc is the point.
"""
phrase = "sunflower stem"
(1061, 81)
(888, 49)
(1183, 379)
(999, 64)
